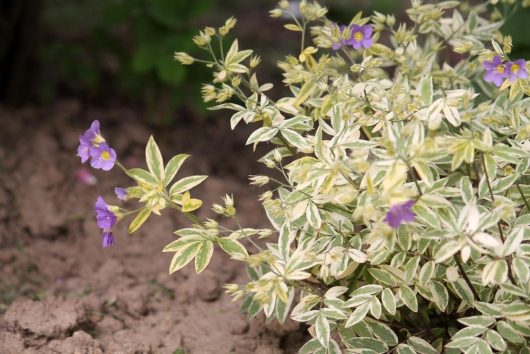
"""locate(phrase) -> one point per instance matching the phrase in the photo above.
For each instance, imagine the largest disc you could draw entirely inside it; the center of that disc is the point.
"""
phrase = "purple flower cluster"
(106, 219)
(93, 146)
(497, 70)
(355, 36)
(400, 213)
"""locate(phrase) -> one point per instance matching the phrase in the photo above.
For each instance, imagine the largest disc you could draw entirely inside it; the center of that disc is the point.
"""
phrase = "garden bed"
(61, 292)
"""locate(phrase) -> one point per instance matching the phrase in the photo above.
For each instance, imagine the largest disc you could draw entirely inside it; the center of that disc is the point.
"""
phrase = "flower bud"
(254, 61)
(259, 180)
(283, 4)
(210, 31)
(275, 13)
(184, 58)
(277, 156)
(211, 224)
(218, 209)
(229, 24)
(208, 93)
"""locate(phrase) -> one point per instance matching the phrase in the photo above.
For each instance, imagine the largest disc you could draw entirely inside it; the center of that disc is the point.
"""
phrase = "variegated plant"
(401, 223)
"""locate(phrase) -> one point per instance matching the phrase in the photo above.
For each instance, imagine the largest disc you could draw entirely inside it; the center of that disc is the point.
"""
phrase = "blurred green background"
(122, 50)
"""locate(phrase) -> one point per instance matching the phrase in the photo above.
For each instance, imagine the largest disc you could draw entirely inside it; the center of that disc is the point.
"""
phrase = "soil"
(60, 292)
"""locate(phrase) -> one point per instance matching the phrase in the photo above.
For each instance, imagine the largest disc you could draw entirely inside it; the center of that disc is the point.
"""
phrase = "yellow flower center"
(105, 155)
(515, 68)
(358, 36)
(500, 69)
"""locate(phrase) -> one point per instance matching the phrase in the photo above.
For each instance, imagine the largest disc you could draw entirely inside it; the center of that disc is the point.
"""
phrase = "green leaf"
(513, 240)
(405, 349)
(310, 347)
(389, 302)
(181, 242)
(509, 333)
(466, 189)
(462, 342)
(185, 184)
(139, 220)
(440, 294)
(367, 343)
(142, 177)
(410, 268)
(173, 167)
(427, 272)
(313, 216)
(421, 345)
(448, 250)
(262, 134)
(495, 272)
(408, 297)
(203, 256)
(294, 139)
(322, 330)
(184, 256)
(358, 315)
(426, 90)
(190, 204)
(233, 248)
(383, 332)
(154, 160)
(495, 340)
(477, 321)
(383, 276)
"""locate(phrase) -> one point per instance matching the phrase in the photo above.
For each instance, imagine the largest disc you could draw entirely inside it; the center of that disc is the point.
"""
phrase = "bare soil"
(60, 292)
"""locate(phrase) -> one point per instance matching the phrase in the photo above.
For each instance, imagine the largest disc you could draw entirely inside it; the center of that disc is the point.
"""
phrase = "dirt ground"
(60, 292)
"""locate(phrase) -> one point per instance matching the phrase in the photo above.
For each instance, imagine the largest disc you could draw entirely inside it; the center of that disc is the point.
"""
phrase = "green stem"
(522, 195)
(466, 278)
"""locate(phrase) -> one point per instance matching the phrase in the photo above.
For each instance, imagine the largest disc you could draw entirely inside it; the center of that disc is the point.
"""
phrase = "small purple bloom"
(107, 239)
(120, 193)
(354, 35)
(103, 157)
(83, 150)
(361, 36)
(104, 217)
(516, 70)
(495, 71)
(400, 213)
(91, 137)
(92, 134)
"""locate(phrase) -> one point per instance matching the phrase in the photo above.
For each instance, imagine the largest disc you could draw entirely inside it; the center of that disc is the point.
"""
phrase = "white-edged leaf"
(154, 160)
(186, 184)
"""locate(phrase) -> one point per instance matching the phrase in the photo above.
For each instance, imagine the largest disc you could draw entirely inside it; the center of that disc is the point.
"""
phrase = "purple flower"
(103, 157)
(105, 218)
(495, 71)
(83, 150)
(400, 213)
(92, 134)
(107, 239)
(516, 70)
(361, 36)
(120, 193)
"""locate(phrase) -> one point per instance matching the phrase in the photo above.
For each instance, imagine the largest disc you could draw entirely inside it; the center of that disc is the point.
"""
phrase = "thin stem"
(412, 173)
(286, 143)
(466, 278)
(302, 41)
(491, 194)
(246, 235)
(522, 195)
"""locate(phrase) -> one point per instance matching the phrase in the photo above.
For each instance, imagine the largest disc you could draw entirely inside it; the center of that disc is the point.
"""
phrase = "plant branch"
(466, 278)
